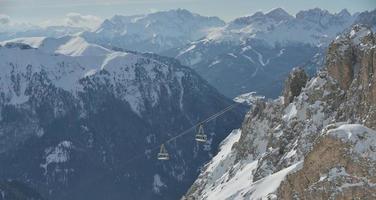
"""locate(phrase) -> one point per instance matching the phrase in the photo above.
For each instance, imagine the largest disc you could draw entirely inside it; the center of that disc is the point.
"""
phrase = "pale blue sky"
(36, 11)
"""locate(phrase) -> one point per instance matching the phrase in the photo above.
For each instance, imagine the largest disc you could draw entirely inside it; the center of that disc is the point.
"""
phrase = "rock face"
(322, 145)
(294, 84)
(340, 166)
(367, 18)
(351, 62)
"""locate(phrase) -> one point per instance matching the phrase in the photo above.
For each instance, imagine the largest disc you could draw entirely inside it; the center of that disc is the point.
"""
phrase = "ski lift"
(200, 136)
(163, 154)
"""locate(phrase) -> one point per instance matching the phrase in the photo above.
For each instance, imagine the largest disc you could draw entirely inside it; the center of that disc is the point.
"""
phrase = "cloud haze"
(4, 19)
(79, 20)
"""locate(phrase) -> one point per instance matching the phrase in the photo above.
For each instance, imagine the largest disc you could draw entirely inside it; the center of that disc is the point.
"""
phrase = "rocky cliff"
(316, 142)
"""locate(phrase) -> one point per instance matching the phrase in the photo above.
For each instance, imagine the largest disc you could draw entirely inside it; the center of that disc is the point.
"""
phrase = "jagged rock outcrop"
(340, 166)
(367, 18)
(323, 138)
(294, 84)
(351, 62)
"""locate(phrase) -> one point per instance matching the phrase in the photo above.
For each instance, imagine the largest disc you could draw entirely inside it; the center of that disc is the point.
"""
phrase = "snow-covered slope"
(80, 121)
(67, 45)
(222, 184)
(73, 60)
(320, 143)
(153, 32)
(248, 98)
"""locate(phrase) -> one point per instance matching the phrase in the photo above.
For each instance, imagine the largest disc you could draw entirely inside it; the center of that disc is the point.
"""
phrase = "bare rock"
(296, 80)
(336, 168)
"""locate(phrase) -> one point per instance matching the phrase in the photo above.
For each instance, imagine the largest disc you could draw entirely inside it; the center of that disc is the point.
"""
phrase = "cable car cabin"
(163, 154)
(200, 136)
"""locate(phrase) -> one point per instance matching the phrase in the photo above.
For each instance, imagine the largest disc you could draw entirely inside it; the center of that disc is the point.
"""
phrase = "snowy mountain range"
(317, 141)
(80, 121)
(250, 53)
(256, 53)
(82, 113)
(153, 32)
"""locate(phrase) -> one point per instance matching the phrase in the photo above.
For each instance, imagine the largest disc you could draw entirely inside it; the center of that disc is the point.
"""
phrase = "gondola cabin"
(163, 154)
(201, 136)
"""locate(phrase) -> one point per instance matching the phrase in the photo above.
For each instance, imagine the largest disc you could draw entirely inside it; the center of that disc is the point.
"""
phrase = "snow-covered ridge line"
(314, 26)
(154, 32)
(68, 60)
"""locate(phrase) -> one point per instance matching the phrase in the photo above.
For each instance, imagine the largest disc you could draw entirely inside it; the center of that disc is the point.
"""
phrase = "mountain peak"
(279, 14)
(257, 14)
(358, 37)
(354, 35)
(174, 12)
(344, 13)
(312, 14)
(181, 11)
(153, 32)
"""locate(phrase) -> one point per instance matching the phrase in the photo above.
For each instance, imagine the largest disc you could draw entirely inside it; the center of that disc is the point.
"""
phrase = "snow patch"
(34, 42)
(266, 186)
(58, 154)
(248, 98)
(362, 138)
(290, 112)
(187, 50)
(158, 184)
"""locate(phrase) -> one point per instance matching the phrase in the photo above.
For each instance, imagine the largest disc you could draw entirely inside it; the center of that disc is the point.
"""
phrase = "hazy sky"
(38, 11)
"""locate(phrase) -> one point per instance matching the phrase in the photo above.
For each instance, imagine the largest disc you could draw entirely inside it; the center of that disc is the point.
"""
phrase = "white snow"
(58, 154)
(262, 188)
(261, 58)
(69, 59)
(241, 185)
(187, 50)
(290, 112)
(165, 29)
(233, 188)
(232, 55)
(275, 31)
(248, 58)
(77, 46)
(34, 42)
(248, 98)
(280, 53)
(214, 63)
(362, 138)
(357, 36)
(231, 181)
(220, 161)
